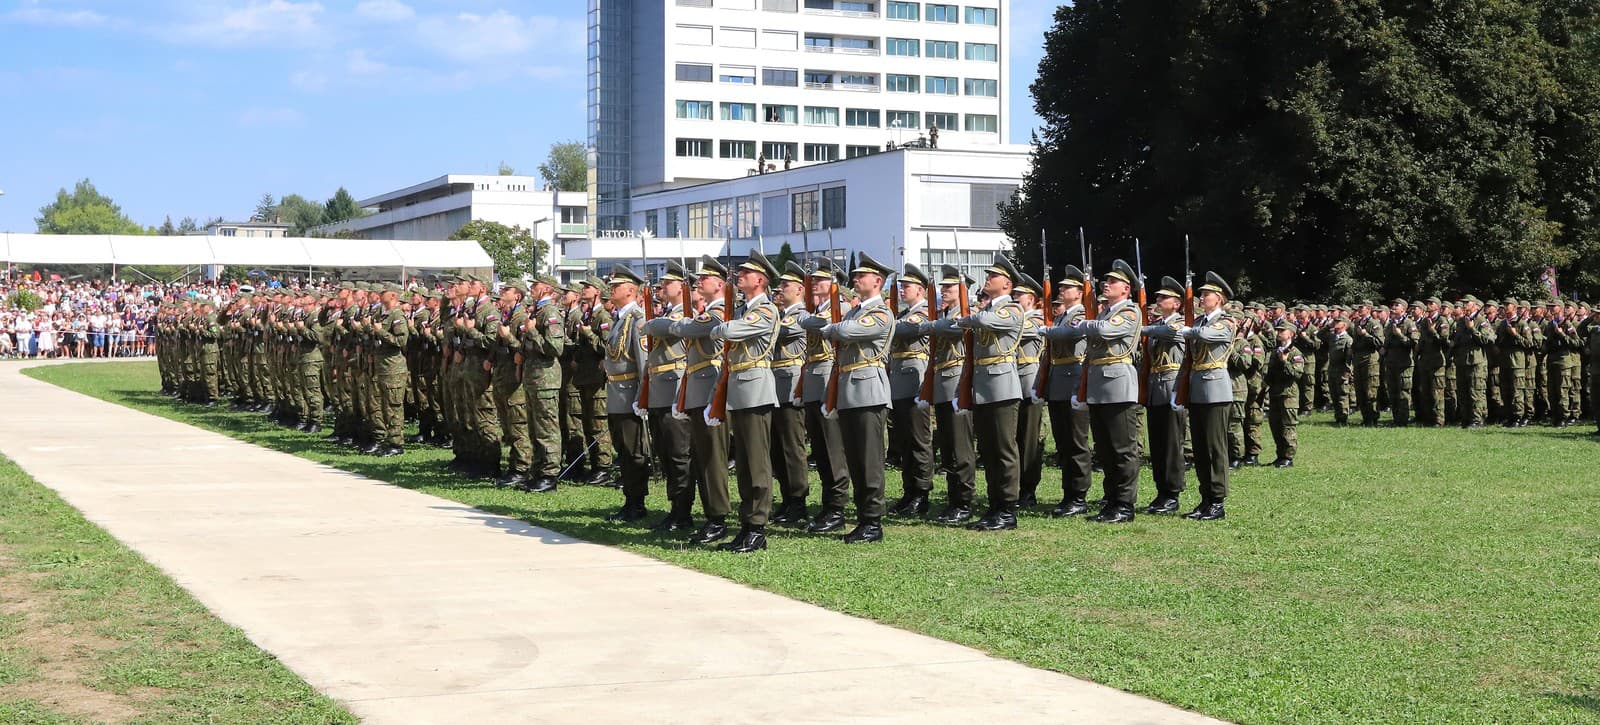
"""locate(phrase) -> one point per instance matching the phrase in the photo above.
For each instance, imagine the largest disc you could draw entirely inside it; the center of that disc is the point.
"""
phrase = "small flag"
(1548, 279)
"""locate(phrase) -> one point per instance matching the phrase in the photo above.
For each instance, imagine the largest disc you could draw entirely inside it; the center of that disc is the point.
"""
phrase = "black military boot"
(1001, 518)
(713, 531)
(511, 478)
(954, 514)
(866, 532)
(1112, 514)
(911, 504)
(630, 512)
(677, 520)
(1069, 507)
(827, 520)
(749, 539)
(1163, 504)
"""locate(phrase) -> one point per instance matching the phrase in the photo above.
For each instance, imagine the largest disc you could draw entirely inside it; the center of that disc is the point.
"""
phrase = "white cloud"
(274, 22)
(357, 62)
(270, 117)
(469, 37)
(388, 11)
(307, 80)
(33, 12)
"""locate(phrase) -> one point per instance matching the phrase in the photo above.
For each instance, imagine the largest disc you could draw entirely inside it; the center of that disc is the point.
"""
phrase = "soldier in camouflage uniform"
(588, 328)
(1285, 373)
(544, 339)
(510, 397)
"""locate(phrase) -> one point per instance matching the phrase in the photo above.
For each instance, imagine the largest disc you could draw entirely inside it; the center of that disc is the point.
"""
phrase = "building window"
(867, 117)
(652, 223)
(896, 83)
(574, 215)
(858, 81)
(982, 51)
(983, 123)
(818, 79)
(983, 16)
(903, 11)
(780, 114)
(822, 116)
(904, 119)
(940, 85)
(673, 229)
(694, 72)
(694, 34)
(696, 110)
(822, 152)
(249, 232)
(749, 216)
(803, 217)
(699, 221)
(901, 46)
(940, 14)
(948, 49)
(777, 151)
(228, 232)
(851, 152)
(942, 121)
(739, 112)
(780, 77)
(694, 148)
(780, 6)
(986, 201)
(856, 7)
(694, 3)
(819, 41)
(833, 208)
(982, 87)
(738, 75)
(722, 218)
(737, 149)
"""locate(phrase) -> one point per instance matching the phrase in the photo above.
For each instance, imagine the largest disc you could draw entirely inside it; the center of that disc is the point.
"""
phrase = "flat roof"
(995, 150)
(441, 182)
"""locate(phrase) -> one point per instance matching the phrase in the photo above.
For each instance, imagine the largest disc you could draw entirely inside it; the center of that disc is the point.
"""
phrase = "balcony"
(841, 50)
(842, 13)
(857, 87)
(574, 229)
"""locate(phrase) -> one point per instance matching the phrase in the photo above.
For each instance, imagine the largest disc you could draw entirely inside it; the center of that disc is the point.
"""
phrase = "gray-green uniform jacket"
(1066, 354)
(908, 353)
(750, 334)
(997, 336)
(1210, 343)
(949, 351)
(666, 357)
(789, 356)
(1112, 339)
(704, 354)
(624, 361)
(862, 338)
(1166, 358)
(1028, 353)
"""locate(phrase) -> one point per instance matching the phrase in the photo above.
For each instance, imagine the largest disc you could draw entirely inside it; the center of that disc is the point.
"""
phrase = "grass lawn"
(1391, 576)
(90, 632)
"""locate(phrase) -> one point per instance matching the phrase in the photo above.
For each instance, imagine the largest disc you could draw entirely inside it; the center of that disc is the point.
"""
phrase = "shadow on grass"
(1582, 702)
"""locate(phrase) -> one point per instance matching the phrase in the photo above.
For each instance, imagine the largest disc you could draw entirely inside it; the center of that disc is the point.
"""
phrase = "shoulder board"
(788, 320)
(703, 317)
(1004, 311)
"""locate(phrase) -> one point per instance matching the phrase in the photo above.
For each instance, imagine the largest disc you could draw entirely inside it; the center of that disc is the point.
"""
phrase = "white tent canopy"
(242, 251)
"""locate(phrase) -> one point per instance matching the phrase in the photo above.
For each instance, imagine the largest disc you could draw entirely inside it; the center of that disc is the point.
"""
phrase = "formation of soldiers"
(766, 373)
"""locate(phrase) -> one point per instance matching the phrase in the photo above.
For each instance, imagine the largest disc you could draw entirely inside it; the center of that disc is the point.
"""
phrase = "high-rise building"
(683, 92)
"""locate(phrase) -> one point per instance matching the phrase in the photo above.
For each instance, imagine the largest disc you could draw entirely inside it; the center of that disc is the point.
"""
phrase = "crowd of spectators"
(88, 318)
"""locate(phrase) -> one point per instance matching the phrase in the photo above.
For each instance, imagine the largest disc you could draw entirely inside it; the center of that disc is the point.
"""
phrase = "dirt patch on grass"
(61, 655)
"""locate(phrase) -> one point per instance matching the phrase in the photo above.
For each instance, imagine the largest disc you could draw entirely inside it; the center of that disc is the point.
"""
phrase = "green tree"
(506, 170)
(567, 166)
(84, 211)
(187, 225)
(266, 210)
(167, 229)
(1321, 149)
(514, 250)
(784, 257)
(300, 213)
(341, 207)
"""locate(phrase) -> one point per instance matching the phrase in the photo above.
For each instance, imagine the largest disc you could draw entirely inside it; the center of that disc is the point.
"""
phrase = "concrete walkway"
(413, 609)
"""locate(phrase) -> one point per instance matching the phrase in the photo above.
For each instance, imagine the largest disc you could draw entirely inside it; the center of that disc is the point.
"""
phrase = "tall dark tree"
(514, 249)
(567, 166)
(300, 214)
(341, 207)
(167, 229)
(266, 210)
(1315, 149)
(188, 224)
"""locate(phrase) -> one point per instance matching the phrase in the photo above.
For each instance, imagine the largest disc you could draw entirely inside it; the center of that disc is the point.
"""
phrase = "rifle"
(1181, 394)
(811, 308)
(718, 410)
(894, 291)
(1041, 385)
(1144, 362)
(1081, 398)
(963, 399)
(678, 407)
(925, 395)
(643, 403)
(830, 406)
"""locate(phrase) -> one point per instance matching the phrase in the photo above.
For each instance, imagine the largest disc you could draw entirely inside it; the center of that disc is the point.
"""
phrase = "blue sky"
(197, 108)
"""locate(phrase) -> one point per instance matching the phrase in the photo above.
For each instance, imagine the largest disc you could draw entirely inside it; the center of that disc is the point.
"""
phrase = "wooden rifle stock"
(1188, 357)
(719, 397)
(1041, 386)
(643, 403)
(683, 380)
(1144, 360)
(964, 387)
(836, 315)
(1090, 311)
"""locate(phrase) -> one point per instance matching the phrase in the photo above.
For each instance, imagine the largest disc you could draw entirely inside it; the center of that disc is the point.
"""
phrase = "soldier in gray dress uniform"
(1114, 392)
(913, 422)
(789, 419)
(827, 442)
(750, 335)
(1069, 419)
(953, 428)
(624, 364)
(1211, 341)
(1030, 413)
(1165, 418)
(862, 342)
(996, 392)
(703, 357)
(669, 435)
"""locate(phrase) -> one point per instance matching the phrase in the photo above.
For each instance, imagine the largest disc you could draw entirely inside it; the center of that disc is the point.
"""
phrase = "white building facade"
(926, 206)
(436, 208)
(688, 91)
